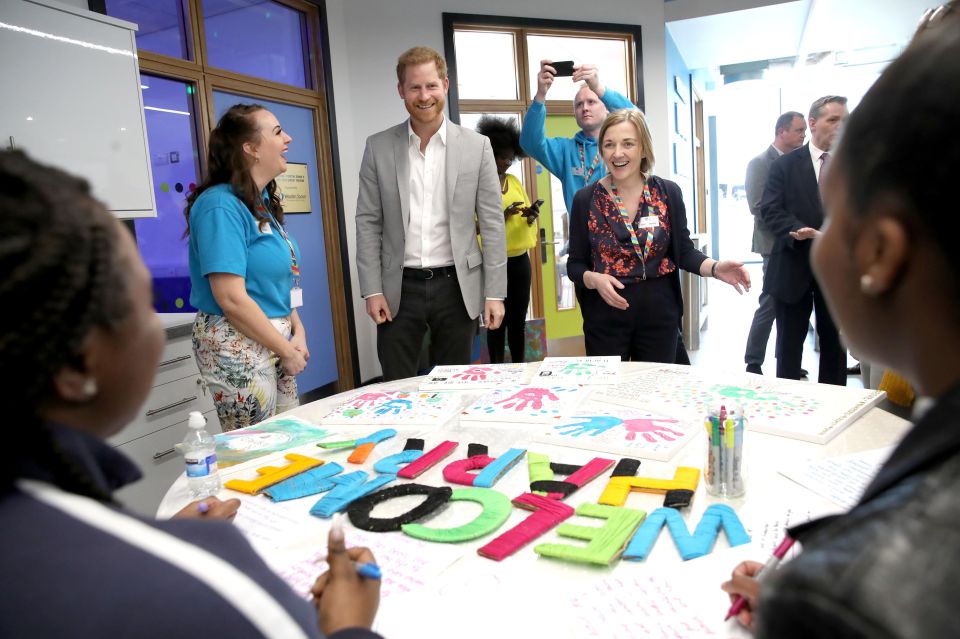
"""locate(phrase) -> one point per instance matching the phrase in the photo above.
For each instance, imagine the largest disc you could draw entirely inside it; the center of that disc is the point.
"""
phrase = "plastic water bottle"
(200, 451)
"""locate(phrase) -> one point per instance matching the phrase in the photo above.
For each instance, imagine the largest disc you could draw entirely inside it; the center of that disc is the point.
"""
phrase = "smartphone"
(564, 67)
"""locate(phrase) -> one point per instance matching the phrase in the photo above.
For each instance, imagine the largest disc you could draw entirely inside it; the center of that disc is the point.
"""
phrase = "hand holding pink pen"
(745, 584)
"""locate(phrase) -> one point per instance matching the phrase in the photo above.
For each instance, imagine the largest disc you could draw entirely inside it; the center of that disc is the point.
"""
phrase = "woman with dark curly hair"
(886, 260)
(520, 223)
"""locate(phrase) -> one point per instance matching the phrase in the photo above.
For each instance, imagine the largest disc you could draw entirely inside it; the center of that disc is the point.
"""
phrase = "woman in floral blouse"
(628, 240)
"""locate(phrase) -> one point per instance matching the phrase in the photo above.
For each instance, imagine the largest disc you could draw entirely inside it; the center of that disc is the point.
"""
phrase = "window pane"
(162, 24)
(610, 56)
(486, 65)
(262, 39)
(168, 109)
(470, 120)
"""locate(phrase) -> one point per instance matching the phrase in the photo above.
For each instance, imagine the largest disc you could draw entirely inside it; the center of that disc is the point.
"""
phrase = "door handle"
(543, 246)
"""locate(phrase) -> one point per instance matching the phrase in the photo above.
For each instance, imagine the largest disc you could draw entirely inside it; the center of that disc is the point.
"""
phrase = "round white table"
(444, 590)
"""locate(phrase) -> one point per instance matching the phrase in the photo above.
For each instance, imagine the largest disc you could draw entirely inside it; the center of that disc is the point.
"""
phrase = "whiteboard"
(71, 98)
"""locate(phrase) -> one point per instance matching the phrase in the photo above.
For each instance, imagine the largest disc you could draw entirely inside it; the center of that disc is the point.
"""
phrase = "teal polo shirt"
(225, 238)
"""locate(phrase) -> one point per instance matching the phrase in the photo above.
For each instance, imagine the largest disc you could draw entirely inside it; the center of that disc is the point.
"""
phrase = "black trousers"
(436, 304)
(644, 332)
(514, 326)
(792, 322)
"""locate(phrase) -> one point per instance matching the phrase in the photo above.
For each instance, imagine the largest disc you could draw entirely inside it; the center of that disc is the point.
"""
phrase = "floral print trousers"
(245, 377)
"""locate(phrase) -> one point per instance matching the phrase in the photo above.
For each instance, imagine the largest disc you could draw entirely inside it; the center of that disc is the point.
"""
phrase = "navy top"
(67, 578)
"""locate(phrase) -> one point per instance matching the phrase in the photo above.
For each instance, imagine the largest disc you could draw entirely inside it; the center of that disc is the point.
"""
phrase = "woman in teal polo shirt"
(244, 272)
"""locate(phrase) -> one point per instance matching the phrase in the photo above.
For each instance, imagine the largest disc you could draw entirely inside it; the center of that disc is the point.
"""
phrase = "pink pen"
(778, 554)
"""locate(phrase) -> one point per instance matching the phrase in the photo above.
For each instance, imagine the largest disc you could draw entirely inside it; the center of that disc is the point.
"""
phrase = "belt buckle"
(429, 272)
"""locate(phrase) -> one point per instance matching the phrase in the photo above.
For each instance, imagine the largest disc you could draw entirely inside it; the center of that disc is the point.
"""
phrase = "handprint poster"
(579, 370)
(800, 410)
(473, 376)
(624, 431)
(395, 408)
(525, 404)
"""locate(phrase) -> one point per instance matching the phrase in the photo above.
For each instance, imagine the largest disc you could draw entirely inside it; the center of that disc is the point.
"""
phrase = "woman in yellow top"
(520, 224)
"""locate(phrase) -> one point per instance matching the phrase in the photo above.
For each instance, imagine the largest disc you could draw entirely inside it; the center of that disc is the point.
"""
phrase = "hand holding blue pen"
(348, 594)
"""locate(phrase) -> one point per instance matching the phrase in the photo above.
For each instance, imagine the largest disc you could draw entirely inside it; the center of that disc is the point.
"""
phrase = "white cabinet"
(149, 441)
(71, 98)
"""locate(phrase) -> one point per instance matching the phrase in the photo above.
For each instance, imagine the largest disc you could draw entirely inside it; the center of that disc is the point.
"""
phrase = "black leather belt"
(430, 273)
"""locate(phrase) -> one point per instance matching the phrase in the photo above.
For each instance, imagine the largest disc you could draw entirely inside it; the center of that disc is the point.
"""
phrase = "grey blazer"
(757, 171)
(473, 200)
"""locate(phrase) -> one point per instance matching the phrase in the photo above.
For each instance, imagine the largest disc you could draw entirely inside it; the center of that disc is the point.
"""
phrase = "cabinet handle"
(174, 360)
(163, 453)
(185, 400)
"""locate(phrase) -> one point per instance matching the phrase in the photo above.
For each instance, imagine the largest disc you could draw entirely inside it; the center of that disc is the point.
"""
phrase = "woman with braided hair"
(245, 272)
(80, 343)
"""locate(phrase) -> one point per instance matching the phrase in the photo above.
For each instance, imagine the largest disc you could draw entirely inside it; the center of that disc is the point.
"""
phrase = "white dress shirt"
(428, 230)
(815, 154)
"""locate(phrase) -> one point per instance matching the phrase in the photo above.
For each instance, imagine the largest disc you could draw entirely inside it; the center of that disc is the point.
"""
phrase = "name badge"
(650, 221)
(296, 297)
(578, 171)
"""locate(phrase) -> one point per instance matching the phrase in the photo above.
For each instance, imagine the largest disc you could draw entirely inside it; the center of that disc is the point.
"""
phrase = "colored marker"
(778, 554)
(368, 569)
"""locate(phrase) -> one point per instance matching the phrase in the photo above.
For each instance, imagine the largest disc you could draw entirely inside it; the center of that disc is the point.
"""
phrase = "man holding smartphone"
(575, 161)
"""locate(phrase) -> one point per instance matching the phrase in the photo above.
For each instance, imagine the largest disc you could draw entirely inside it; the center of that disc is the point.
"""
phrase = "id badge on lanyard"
(296, 293)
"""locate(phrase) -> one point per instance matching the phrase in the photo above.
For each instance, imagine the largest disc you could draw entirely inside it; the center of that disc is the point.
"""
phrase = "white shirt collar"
(442, 132)
(815, 153)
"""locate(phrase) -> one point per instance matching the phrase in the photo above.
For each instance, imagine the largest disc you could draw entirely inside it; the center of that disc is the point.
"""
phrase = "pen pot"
(723, 469)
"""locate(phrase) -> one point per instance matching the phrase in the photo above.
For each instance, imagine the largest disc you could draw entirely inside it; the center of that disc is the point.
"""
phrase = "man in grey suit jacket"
(427, 187)
(789, 132)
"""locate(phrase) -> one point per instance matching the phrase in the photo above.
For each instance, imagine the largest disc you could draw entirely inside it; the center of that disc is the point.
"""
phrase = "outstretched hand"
(734, 274)
(342, 597)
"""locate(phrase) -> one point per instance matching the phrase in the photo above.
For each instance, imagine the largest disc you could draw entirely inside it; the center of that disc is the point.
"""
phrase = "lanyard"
(644, 207)
(294, 265)
(583, 164)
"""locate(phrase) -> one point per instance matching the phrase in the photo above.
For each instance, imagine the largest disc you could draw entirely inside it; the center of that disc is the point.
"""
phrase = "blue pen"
(369, 570)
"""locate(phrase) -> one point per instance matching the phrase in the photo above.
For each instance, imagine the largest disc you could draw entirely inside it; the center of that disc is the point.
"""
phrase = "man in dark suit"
(789, 132)
(792, 211)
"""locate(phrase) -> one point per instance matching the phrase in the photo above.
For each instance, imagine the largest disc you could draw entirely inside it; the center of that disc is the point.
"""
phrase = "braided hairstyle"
(227, 163)
(503, 133)
(61, 279)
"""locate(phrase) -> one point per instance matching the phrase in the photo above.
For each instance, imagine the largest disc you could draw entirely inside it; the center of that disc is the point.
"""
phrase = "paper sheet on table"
(840, 479)
(649, 606)
(409, 565)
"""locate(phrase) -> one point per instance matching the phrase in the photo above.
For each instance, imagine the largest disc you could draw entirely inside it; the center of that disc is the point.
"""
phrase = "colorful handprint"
(579, 369)
(593, 425)
(528, 398)
(474, 374)
(393, 407)
(364, 399)
(648, 427)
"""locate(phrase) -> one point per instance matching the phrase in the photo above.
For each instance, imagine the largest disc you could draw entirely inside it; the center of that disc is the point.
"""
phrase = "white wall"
(366, 36)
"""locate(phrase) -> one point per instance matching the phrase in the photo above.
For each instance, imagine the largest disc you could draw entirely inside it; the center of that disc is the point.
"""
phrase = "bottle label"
(202, 467)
